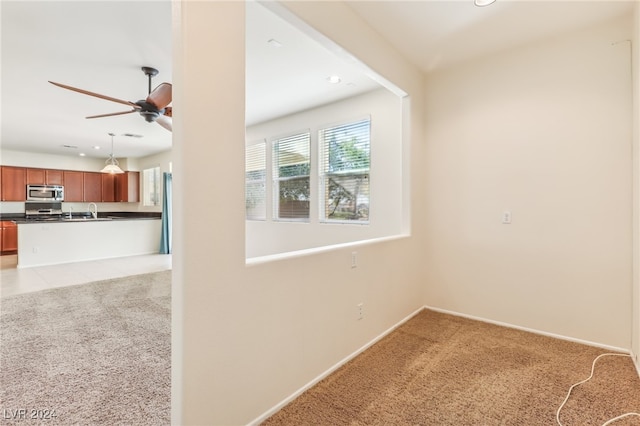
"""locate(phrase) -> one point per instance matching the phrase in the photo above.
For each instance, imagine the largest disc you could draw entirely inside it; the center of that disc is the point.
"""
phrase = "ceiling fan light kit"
(154, 107)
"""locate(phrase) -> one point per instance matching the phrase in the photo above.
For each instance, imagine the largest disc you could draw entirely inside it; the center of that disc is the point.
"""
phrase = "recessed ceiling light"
(334, 79)
(96, 147)
(482, 3)
(82, 154)
(274, 43)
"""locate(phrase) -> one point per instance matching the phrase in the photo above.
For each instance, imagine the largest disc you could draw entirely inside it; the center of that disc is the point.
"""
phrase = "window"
(151, 186)
(345, 158)
(255, 181)
(291, 171)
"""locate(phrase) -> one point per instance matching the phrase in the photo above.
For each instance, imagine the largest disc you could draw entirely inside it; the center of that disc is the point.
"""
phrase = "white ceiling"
(100, 46)
(437, 34)
(95, 45)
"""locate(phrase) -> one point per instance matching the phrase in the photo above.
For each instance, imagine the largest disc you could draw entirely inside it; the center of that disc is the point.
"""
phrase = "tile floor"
(24, 280)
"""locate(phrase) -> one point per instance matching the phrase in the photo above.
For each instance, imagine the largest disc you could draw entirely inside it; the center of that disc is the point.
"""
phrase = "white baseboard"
(531, 330)
(634, 357)
(313, 382)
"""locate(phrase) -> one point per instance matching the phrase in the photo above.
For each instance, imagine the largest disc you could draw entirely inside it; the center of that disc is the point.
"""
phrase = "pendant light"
(483, 3)
(111, 165)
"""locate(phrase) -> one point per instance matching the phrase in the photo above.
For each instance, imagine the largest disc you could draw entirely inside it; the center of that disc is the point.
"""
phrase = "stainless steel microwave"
(45, 193)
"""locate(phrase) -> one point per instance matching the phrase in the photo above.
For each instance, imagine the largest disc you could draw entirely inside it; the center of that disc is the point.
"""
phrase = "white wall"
(52, 161)
(271, 237)
(247, 337)
(545, 132)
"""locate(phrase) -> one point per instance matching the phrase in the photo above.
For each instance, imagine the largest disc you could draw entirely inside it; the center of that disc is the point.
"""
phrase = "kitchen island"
(80, 239)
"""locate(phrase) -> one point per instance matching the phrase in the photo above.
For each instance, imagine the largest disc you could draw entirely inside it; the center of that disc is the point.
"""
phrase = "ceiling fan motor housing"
(149, 111)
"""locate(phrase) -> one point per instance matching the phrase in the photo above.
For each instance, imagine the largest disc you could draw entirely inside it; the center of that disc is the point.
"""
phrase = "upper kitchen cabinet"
(73, 186)
(108, 187)
(92, 190)
(44, 177)
(79, 186)
(14, 183)
(127, 187)
(54, 177)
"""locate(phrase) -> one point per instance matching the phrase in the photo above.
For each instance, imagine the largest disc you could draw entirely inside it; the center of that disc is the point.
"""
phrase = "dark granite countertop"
(83, 217)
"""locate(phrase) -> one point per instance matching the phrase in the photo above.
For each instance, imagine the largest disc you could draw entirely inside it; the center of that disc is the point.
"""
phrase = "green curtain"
(165, 236)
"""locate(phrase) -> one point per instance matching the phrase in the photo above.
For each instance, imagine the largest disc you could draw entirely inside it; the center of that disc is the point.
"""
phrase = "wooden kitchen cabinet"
(92, 187)
(127, 187)
(36, 177)
(108, 187)
(44, 177)
(73, 186)
(54, 177)
(78, 186)
(14, 183)
(8, 237)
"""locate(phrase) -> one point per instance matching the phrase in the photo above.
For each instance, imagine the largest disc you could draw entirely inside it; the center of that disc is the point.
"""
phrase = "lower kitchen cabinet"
(8, 237)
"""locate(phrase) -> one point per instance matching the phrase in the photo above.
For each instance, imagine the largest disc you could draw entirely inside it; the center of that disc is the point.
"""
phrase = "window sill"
(252, 261)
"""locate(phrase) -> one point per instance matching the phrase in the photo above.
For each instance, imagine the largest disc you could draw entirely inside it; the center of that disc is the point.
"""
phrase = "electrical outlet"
(506, 217)
(354, 259)
(360, 307)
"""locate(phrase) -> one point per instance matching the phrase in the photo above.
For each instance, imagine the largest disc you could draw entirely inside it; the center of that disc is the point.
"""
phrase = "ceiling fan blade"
(160, 97)
(97, 95)
(165, 122)
(112, 114)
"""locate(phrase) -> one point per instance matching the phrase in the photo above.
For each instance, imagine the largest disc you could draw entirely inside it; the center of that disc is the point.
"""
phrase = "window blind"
(291, 170)
(345, 158)
(255, 181)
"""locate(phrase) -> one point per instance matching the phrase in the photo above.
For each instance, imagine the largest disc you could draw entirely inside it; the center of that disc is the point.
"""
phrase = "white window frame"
(151, 187)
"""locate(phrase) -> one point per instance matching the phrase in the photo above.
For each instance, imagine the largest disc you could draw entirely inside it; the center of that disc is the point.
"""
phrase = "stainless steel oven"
(45, 193)
(34, 210)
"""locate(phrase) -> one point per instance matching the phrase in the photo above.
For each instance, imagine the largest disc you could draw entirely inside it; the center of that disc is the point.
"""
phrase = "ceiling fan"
(154, 108)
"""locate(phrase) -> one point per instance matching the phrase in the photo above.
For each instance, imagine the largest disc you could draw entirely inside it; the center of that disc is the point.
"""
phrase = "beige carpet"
(439, 369)
(95, 354)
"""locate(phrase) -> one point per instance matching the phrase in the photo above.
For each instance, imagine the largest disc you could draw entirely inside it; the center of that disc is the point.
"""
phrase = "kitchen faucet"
(94, 213)
(70, 210)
